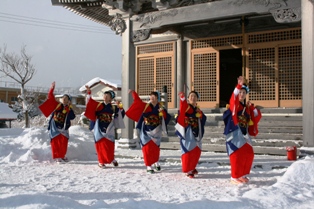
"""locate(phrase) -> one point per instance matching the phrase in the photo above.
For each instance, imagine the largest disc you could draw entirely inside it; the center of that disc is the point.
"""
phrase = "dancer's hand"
(181, 94)
(248, 103)
(240, 80)
(53, 85)
(87, 89)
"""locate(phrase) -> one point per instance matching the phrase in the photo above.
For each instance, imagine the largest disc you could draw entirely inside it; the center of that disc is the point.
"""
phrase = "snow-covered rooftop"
(113, 83)
(6, 112)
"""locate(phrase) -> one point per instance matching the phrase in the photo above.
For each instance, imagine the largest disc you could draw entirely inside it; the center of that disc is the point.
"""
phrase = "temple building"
(204, 45)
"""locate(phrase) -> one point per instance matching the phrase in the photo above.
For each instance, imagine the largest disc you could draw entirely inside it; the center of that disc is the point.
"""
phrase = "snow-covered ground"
(30, 179)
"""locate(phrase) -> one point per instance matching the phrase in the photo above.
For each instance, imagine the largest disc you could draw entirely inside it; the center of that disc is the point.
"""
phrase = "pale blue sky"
(67, 56)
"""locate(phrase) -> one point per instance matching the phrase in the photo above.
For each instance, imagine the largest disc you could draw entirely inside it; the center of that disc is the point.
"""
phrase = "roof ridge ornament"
(287, 15)
(117, 24)
(141, 35)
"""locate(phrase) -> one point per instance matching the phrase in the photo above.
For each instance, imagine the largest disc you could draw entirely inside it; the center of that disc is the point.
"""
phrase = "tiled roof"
(86, 8)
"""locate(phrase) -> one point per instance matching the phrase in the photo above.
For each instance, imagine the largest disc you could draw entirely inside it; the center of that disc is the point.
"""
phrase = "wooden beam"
(226, 9)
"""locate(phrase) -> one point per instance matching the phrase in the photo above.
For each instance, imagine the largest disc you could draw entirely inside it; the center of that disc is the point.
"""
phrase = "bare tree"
(20, 69)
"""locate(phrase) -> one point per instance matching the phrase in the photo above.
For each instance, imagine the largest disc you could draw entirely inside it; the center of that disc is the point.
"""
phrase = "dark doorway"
(230, 69)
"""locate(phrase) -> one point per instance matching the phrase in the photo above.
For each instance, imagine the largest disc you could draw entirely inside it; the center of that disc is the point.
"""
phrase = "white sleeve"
(236, 91)
(255, 112)
(88, 96)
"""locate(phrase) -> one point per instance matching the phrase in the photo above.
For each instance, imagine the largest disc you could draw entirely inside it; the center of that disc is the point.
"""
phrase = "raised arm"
(52, 88)
(238, 87)
(91, 105)
(134, 95)
(183, 103)
(183, 107)
(234, 99)
(88, 91)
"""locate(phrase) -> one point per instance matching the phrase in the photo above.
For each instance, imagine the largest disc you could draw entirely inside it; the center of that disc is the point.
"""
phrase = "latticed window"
(217, 42)
(274, 36)
(205, 76)
(290, 73)
(156, 48)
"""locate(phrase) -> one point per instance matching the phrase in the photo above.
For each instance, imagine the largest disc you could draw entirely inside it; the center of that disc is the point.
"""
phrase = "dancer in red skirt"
(152, 119)
(190, 129)
(59, 123)
(241, 120)
(105, 118)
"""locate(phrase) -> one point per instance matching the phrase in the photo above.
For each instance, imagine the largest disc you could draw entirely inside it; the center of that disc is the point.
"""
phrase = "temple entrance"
(230, 69)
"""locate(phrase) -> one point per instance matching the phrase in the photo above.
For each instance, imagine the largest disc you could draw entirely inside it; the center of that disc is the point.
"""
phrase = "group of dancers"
(241, 123)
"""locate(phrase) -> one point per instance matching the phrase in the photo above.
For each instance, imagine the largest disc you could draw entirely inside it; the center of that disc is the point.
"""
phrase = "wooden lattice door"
(290, 76)
(146, 71)
(164, 76)
(263, 76)
(205, 76)
(155, 69)
(274, 68)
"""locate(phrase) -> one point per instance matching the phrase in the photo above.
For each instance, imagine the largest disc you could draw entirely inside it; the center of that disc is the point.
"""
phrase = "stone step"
(263, 110)
(283, 130)
(222, 148)
(276, 117)
(262, 124)
(261, 135)
(260, 142)
(278, 128)
(266, 119)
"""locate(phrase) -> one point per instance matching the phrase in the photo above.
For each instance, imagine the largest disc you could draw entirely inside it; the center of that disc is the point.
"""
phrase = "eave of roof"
(91, 10)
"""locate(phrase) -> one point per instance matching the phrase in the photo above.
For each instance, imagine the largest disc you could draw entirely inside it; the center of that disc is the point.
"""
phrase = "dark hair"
(111, 93)
(244, 86)
(196, 93)
(155, 93)
(67, 95)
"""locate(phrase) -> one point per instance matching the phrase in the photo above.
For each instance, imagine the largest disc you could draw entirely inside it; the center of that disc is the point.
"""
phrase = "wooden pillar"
(128, 82)
(7, 97)
(243, 24)
(180, 71)
(308, 76)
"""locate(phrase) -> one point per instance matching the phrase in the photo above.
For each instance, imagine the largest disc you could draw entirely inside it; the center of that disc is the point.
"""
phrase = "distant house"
(10, 91)
(6, 114)
(99, 86)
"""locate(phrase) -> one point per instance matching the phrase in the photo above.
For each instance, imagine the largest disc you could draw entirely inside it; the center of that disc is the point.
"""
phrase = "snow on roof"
(6, 112)
(114, 83)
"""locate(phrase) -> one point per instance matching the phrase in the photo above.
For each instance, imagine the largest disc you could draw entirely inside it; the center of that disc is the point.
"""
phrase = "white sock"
(149, 168)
